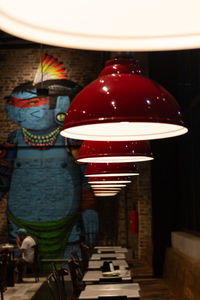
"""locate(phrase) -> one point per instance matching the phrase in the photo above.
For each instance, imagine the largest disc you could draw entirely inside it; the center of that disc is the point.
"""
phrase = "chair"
(53, 285)
(35, 265)
(74, 256)
(85, 253)
(76, 277)
(3, 270)
(58, 283)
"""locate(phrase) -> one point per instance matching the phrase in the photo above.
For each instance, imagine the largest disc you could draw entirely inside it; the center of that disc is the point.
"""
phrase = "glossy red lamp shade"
(114, 151)
(106, 190)
(111, 169)
(109, 180)
(123, 105)
(105, 195)
(108, 185)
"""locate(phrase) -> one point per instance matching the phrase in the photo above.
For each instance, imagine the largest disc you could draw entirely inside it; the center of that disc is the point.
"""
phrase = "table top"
(107, 247)
(110, 256)
(7, 246)
(115, 250)
(93, 276)
(97, 264)
(131, 290)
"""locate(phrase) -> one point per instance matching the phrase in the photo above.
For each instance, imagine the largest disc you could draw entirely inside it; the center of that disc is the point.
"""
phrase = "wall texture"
(137, 195)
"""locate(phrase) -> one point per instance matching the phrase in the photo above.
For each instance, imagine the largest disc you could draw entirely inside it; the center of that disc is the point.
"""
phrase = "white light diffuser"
(116, 159)
(107, 182)
(107, 188)
(108, 192)
(112, 174)
(105, 25)
(135, 131)
(105, 195)
(108, 185)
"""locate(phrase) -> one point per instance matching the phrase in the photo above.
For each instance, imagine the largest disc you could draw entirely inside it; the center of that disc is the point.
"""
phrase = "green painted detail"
(52, 236)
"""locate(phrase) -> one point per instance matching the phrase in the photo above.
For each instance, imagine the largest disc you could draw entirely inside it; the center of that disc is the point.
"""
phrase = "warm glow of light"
(105, 25)
(107, 188)
(108, 192)
(107, 182)
(105, 195)
(114, 159)
(124, 131)
(108, 185)
(112, 174)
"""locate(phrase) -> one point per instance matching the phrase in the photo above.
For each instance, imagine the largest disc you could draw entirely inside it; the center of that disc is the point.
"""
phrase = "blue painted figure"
(46, 184)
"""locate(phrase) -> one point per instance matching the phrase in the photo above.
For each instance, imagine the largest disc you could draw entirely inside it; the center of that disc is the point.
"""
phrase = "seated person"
(26, 245)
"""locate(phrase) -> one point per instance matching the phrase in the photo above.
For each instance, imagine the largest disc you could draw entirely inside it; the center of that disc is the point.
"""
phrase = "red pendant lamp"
(107, 185)
(109, 180)
(123, 105)
(105, 191)
(111, 169)
(105, 195)
(114, 152)
(114, 189)
(108, 192)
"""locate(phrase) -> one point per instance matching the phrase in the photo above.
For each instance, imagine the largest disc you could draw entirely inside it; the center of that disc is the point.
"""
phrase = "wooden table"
(7, 248)
(130, 290)
(108, 256)
(112, 250)
(107, 247)
(92, 277)
(97, 264)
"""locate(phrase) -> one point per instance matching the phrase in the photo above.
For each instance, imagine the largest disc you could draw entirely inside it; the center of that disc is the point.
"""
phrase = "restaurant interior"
(99, 158)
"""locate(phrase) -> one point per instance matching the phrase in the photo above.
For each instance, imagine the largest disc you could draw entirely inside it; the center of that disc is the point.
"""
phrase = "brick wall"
(137, 195)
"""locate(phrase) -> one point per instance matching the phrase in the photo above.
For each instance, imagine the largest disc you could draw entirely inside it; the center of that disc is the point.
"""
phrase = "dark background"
(175, 171)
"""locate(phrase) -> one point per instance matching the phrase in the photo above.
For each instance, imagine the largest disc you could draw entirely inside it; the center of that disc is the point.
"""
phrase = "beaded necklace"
(40, 141)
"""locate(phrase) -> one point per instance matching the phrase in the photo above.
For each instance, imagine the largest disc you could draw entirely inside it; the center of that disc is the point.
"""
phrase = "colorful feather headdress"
(49, 68)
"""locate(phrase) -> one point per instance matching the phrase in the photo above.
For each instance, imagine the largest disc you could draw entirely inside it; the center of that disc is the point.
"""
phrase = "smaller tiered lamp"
(114, 151)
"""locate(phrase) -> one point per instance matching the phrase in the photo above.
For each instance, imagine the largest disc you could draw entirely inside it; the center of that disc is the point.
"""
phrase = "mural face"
(46, 184)
(29, 111)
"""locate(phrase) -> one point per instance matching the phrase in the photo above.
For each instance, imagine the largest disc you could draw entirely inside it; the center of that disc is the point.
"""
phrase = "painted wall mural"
(47, 189)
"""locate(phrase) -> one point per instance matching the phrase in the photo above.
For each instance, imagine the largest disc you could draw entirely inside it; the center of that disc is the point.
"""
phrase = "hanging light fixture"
(106, 188)
(107, 185)
(108, 192)
(105, 195)
(109, 180)
(111, 170)
(105, 191)
(156, 25)
(123, 105)
(108, 152)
